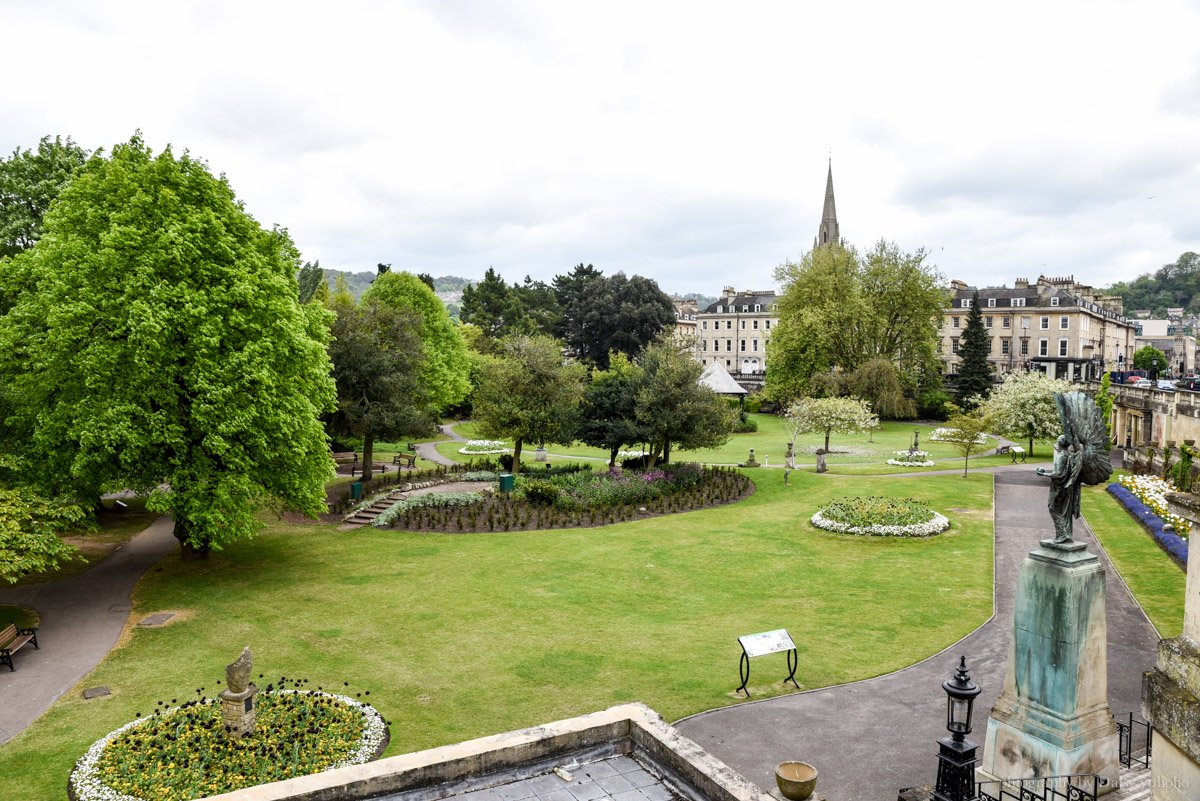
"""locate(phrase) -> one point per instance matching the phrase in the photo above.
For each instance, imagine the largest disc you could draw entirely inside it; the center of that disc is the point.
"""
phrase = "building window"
(987, 321)
(1045, 324)
(1006, 322)
(728, 345)
(965, 303)
(705, 341)
(1024, 347)
(743, 325)
(1064, 323)
(728, 324)
(1004, 347)
(954, 322)
(1062, 347)
(1018, 301)
(991, 303)
(1043, 347)
(756, 325)
(743, 346)
(766, 323)
(754, 345)
(1053, 301)
(745, 307)
(954, 344)
(758, 307)
(718, 309)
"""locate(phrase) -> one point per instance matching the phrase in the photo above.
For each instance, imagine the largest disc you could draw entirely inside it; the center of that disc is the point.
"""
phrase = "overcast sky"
(684, 141)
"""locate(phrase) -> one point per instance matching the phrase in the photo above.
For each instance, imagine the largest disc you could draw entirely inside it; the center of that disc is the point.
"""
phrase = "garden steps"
(364, 516)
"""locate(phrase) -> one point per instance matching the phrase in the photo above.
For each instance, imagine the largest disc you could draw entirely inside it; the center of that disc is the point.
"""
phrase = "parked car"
(1135, 379)
(1166, 384)
(1143, 383)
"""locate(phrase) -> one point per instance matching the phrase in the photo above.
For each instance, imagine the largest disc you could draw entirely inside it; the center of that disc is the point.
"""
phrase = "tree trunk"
(966, 461)
(827, 440)
(187, 551)
(612, 458)
(666, 452)
(368, 456)
(517, 456)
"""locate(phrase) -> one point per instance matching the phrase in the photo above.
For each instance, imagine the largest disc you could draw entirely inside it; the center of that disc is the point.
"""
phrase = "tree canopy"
(605, 314)
(30, 180)
(1150, 358)
(828, 416)
(446, 368)
(839, 309)
(156, 343)
(529, 394)
(1023, 406)
(673, 408)
(1172, 285)
(608, 414)
(974, 372)
(30, 524)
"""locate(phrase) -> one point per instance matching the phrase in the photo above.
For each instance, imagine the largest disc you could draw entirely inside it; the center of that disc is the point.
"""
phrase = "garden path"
(82, 618)
(871, 738)
(428, 450)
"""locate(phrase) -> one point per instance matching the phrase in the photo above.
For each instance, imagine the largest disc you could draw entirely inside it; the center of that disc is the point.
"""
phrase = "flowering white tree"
(1023, 406)
(843, 415)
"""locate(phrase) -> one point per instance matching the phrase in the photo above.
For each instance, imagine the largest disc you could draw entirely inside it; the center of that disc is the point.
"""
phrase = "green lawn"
(1153, 577)
(861, 454)
(115, 526)
(459, 636)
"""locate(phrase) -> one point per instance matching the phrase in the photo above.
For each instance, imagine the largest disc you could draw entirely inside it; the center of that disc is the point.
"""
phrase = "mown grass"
(23, 616)
(1153, 577)
(463, 635)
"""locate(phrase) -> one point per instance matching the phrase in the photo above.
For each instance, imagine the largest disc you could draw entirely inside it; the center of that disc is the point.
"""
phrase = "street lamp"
(956, 755)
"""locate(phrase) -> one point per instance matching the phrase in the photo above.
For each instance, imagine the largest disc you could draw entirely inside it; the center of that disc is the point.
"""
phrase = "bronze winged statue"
(1080, 457)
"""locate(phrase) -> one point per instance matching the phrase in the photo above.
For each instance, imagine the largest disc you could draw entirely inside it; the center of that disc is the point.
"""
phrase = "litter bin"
(355, 490)
(507, 482)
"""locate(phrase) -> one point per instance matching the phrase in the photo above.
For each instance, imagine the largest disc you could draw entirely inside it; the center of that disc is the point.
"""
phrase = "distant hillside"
(1171, 286)
(449, 287)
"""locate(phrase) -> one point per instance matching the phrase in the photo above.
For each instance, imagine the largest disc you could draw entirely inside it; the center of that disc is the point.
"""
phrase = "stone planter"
(796, 780)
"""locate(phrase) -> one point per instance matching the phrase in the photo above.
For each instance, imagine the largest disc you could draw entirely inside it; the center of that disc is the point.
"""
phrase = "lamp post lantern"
(956, 755)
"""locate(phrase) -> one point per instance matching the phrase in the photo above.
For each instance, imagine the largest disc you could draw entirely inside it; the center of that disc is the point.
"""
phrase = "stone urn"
(796, 780)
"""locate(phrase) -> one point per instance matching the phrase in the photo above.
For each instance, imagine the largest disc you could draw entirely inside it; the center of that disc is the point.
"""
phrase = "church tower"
(828, 232)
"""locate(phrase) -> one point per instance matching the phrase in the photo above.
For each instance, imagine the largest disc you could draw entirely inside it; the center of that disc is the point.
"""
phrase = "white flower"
(906, 463)
(934, 525)
(952, 435)
(479, 446)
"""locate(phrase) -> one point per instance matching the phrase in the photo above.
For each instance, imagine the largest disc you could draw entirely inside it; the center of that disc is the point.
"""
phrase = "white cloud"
(685, 141)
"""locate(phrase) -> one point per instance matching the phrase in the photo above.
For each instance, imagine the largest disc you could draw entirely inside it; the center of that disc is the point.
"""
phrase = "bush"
(506, 462)
(636, 463)
(540, 491)
(747, 425)
(754, 403)
(934, 404)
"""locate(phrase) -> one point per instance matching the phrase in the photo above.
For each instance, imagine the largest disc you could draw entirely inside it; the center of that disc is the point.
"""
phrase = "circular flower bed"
(881, 517)
(182, 752)
(911, 459)
(479, 447)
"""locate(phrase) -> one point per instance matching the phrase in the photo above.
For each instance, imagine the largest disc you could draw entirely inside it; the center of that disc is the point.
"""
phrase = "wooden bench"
(405, 460)
(13, 639)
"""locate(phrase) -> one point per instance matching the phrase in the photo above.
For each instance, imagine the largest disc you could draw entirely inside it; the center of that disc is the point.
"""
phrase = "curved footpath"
(873, 737)
(82, 617)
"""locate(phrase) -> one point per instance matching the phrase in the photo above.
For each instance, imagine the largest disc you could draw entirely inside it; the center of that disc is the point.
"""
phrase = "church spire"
(828, 232)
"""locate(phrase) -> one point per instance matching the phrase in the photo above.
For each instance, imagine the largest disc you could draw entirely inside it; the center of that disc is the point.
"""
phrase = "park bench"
(345, 457)
(13, 639)
(405, 460)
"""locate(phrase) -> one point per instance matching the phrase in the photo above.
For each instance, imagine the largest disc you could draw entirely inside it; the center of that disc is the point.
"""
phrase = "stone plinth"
(237, 711)
(1052, 717)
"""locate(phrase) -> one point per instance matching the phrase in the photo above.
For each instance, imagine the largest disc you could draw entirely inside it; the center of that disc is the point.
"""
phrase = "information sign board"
(768, 642)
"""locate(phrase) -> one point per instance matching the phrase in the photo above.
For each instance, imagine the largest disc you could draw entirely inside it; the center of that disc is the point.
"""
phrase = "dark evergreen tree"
(309, 278)
(974, 373)
(29, 181)
(493, 307)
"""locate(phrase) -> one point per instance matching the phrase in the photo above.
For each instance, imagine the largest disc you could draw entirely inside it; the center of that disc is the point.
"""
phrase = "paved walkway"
(871, 738)
(428, 450)
(82, 617)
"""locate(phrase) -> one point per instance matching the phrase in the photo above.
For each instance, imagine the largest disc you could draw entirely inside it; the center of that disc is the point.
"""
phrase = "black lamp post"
(956, 755)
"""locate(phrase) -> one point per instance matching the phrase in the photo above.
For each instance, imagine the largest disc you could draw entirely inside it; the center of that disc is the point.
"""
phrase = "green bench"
(13, 639)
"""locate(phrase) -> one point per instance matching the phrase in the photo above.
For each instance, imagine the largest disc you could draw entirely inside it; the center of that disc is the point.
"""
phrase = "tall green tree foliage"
(878, 383)
(840, 309)
(492, 306)
(157, 344)
(673, 409)
(30, 525)
(1104, 401)
(974, 372)
(606, 314)
(1172, 285)
(1150, 358)
(377, 359)
(828, 416)
(528, 394)
(446, 368)
(1023, 406)
(608, 415)
(310, 278)
(29, 181)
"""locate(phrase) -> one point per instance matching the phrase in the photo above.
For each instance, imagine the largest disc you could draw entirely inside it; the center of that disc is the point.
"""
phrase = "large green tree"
(1023, 406)
(608, 415)
(157, 344)
(493, 307)
(839, 310)
(605, 314)
(30, 525)
(377, 358)
(29, 181)
(529, 394)
(446, 368)
(828, 416)
(974, 372)
(1150, 358)
(673, 408)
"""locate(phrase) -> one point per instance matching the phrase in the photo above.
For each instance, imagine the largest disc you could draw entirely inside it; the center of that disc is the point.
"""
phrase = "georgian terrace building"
(734, 331)
(1065, 329)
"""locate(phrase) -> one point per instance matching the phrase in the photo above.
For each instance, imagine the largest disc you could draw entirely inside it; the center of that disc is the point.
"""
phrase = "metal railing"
(1068, 787)
(1134, 734)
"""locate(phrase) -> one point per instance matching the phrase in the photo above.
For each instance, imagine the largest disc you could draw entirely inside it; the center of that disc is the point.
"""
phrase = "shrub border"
(1175, 545)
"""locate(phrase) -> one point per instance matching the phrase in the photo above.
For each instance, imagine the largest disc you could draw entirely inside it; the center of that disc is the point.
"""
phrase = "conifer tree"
(974, 373)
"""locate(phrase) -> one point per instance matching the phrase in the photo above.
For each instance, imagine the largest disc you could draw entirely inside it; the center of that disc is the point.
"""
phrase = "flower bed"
(543, 499)
(480, 447)
(1152, 492)
(880, 517)
(1168, 540)
(911, 459)
(953, 435)
(181, 752)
